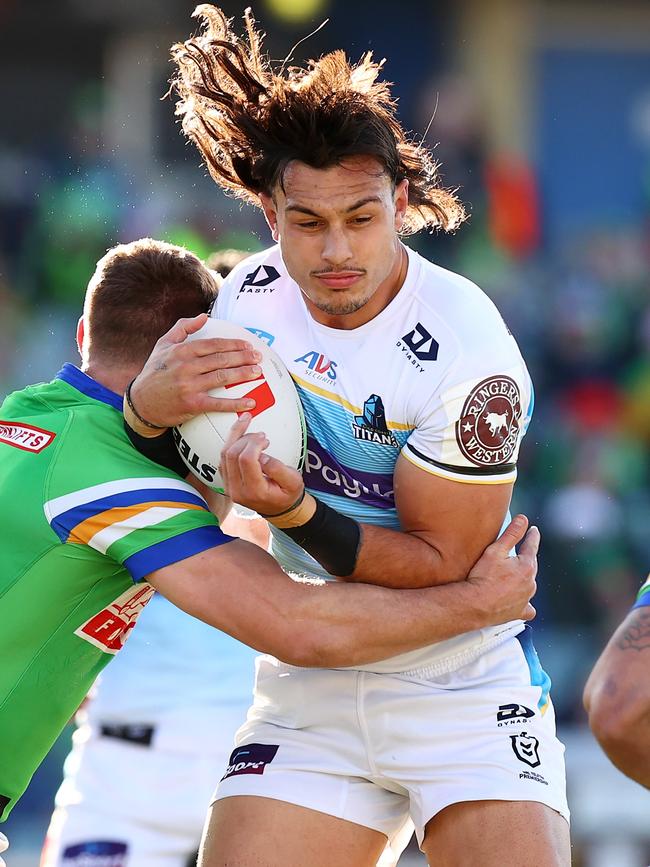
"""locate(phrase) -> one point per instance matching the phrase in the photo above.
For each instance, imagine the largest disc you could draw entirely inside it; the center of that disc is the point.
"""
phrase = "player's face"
(337, 230)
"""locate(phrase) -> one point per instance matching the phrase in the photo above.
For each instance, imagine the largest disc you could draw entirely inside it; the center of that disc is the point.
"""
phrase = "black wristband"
(331, 538)
(161, 449)
(127, 395)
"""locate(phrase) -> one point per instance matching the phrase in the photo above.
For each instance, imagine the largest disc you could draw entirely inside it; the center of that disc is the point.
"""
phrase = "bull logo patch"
(488, 429)
(526, 748)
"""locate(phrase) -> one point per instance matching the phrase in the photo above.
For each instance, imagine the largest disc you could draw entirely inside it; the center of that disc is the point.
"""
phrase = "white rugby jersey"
(436, 377)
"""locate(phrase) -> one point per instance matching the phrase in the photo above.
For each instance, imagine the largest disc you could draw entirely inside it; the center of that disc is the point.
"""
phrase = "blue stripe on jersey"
(172, 550)
(64, 524)
(538, 677)
(90, 387)
(531, 407)
(643, 600)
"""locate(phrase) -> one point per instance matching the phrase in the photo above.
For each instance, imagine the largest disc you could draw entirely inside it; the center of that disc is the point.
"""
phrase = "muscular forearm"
(617, 697)
(391, 558)
(339, 625)
(240, 589)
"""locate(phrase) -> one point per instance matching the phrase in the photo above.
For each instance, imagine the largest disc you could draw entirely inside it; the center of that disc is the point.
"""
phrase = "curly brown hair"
(250, 121)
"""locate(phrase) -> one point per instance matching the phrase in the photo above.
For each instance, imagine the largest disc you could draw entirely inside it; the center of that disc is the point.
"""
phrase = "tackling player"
(166, 709)
(91, 528)
(416, 399)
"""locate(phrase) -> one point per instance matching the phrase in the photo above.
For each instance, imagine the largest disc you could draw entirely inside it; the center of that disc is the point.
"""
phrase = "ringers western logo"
(488, 429)
(25, 436)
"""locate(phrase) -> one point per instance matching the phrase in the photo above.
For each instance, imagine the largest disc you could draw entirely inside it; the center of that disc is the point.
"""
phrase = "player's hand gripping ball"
(277, 412)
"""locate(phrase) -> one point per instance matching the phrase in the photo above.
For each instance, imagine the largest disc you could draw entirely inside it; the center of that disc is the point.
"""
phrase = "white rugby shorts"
(376, 748)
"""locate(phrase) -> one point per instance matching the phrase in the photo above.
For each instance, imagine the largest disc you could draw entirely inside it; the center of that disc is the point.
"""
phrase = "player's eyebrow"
(302, 210)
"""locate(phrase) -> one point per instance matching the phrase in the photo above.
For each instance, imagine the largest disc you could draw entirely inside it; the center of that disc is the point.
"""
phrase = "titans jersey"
(435, 377)
(84, 519)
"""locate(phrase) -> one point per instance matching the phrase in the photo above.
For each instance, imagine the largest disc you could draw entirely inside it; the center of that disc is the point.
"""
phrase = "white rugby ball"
(278, 412)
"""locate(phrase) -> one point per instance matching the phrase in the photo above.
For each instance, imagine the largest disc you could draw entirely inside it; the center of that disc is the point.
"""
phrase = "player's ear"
(271, 214)
(80, 335)
(401, 200)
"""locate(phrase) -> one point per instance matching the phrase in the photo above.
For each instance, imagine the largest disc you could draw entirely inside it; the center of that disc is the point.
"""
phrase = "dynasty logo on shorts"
(526, 748)
(95, 853)
(110, 627)
(25, 436)
(513, 714)
(250, 759)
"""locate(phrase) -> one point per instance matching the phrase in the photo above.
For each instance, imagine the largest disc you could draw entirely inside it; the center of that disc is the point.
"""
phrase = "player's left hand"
(4, 845)
(253, 479)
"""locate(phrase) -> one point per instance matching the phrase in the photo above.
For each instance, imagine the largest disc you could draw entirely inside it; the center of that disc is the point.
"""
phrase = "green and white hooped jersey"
(435, 377)
(84, 519)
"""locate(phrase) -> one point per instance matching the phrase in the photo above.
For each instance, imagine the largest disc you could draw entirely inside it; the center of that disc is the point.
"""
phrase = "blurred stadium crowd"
(559, 232)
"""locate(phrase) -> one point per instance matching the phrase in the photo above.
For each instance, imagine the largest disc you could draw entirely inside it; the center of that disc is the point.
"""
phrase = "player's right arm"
(617, 694)
(240, 589)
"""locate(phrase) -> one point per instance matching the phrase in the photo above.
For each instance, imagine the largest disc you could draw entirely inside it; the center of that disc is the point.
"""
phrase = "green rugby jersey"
(643, 596)
(84, 519)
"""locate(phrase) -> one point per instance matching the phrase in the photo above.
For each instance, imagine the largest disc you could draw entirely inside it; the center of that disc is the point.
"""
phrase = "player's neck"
(114, 378)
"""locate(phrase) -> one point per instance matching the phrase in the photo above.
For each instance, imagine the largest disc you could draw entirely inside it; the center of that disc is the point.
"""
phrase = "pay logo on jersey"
(323, 472)
(371, 426)
(25, 436)
(318, 367)
(259, 281)
(488, 429)
(250, 759)
(110, 627)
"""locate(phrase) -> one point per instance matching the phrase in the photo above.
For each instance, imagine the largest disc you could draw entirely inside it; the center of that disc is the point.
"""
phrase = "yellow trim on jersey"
(336, 398)
(476, 480)
(84, 531)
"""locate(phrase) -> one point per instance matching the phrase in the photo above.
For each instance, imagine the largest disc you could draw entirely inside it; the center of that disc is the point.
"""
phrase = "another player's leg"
(262, 832)
(494, 833)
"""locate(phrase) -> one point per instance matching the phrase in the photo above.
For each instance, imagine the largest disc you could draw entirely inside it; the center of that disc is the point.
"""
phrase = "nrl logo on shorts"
(488, 429)
(526, 748)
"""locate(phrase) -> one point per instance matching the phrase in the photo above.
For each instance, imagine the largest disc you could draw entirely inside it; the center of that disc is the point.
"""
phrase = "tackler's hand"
(506, 584)
(176, 379)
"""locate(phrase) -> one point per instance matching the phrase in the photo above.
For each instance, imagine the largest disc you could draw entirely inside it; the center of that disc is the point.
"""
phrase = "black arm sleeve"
(331, 538)
(161, 450)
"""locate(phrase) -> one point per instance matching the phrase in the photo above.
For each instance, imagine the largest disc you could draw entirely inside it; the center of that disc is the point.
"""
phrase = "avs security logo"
(110, 627)
(513, 714)
(526, 748)
(488, 428)
(371, 427)
(318, 367)
(259, 281)
(25, 436)
(419, 345)
(250, 759)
